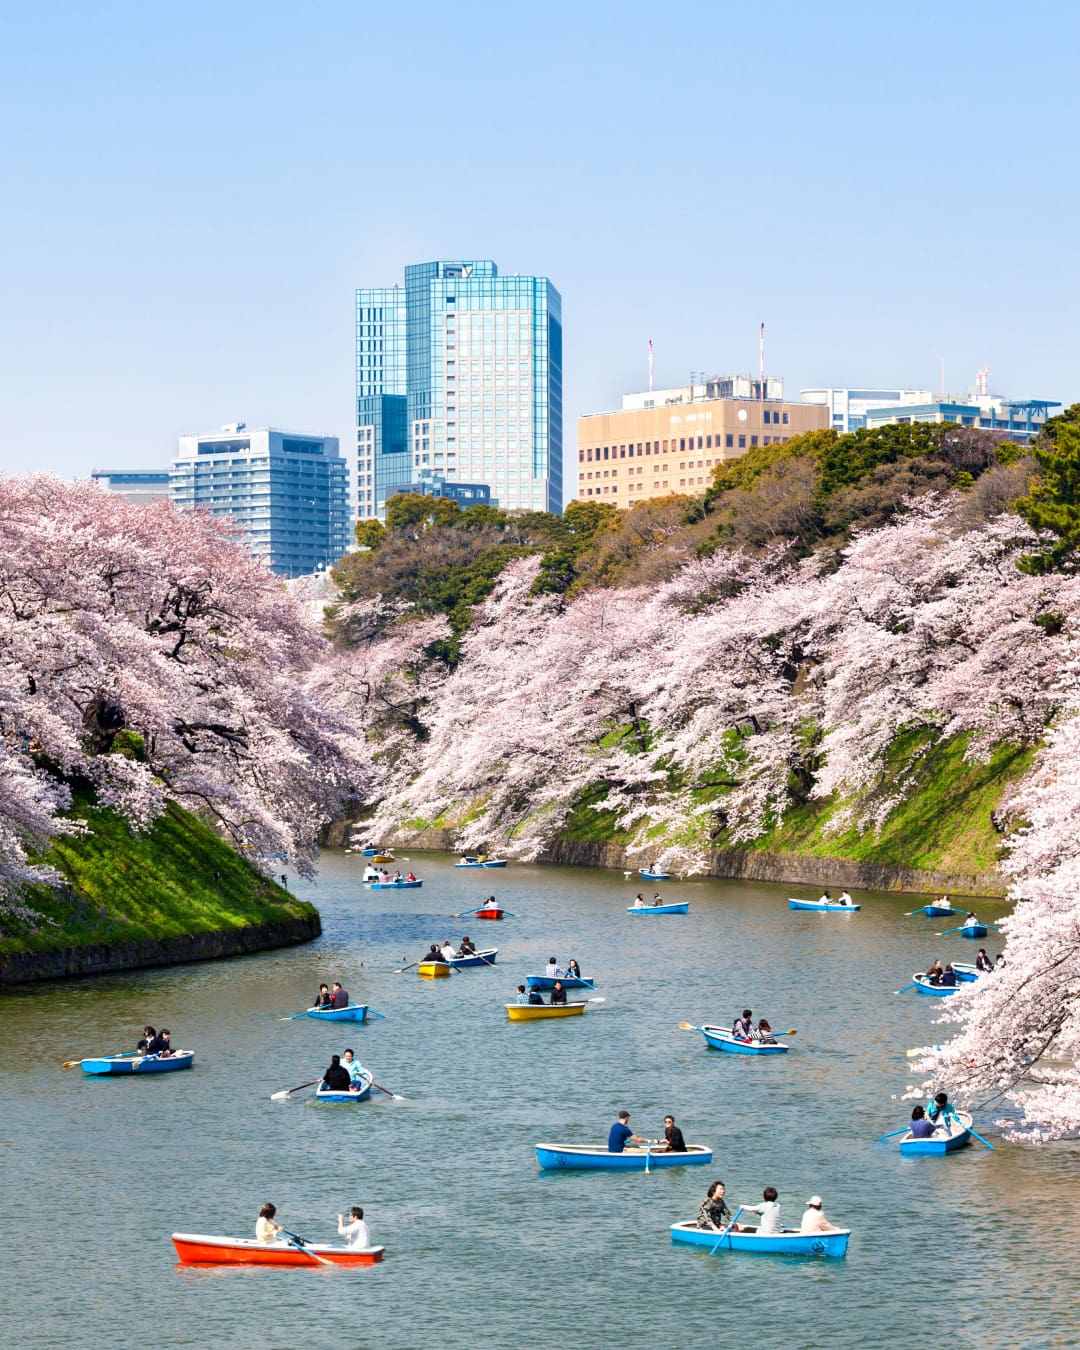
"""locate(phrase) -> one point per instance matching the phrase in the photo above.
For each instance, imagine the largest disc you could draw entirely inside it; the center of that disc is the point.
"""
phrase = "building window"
(753, 440)
(742, 442)
(729, 440)
(785, 419)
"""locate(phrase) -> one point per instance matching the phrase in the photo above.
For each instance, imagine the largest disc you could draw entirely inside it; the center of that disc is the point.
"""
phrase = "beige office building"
(671, 440)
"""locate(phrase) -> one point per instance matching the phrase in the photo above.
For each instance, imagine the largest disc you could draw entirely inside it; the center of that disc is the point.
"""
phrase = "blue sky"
(193, 193)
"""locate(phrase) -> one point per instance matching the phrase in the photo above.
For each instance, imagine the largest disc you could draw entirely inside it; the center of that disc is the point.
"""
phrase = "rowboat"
(482, 862)
(923, 985)
(532, 1012)
(965, 971)
(659, 909)
(134, 1062)
(829, 905)
(368, 852)
(488, 914)
(567, 982)
(383, 857)
(973, 930)
(632, 1159)
(433, 970)
(937, 911)
(721, 1039)
(394, 885)
(350, 1098)
(193, 1249)
(352, 1012)
(484, 958)
(939, 1144)
(654, 876)
(790, 1242)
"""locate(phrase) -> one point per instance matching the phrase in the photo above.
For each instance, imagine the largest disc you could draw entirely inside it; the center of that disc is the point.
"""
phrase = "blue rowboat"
(566, 1156)
(133, 1062)
(394, 885)
(788, 1243)
(368, 852)
(362, 1093)
(494, 862)
(567, 982)
(937, 911)
(721, 1039)
(964, 971)
(353, 1012)
(482, 862)
(484, 958)
(660, 909)
(923, 985)
(938, 1144)
(654, 876)
(973, 930)
(830, 905)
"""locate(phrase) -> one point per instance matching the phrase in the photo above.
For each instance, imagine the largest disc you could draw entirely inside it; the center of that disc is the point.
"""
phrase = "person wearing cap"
(814, 1220)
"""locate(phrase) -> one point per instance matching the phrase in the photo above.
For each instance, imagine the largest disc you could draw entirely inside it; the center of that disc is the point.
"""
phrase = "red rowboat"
(194, 1249)
(488, 914)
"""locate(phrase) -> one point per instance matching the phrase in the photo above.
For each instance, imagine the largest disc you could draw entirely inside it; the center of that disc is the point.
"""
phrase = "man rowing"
(743, 1028)
(621, 1134)
(339, 998)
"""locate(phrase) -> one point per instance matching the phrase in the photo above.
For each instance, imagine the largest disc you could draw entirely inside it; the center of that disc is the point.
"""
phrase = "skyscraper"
(289, 492)
(459, 372)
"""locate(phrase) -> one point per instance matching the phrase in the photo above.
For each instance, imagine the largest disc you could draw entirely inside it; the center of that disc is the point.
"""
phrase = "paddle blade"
(280, 1096)
(70, 1063)
(688, 1026)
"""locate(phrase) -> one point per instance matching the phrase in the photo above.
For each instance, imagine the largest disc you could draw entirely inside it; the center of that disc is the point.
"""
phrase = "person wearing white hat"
(814, 1220)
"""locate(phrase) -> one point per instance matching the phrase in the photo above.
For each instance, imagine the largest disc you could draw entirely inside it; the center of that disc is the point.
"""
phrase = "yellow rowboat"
(433, 970)
(384, 858)
(530, 1012)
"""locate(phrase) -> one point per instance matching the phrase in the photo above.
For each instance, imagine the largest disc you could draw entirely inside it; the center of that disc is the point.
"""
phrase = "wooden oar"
(727, 1230)
(294, 1240)
(70, 1063)
(286, 1092)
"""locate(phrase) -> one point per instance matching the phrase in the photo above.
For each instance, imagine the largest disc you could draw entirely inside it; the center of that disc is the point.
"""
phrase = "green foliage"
(129, 744)
(369, 533)
(1053, 502)
(175, 879)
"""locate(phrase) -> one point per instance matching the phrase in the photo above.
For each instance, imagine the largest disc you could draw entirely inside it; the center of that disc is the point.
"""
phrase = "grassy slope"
(130, 887)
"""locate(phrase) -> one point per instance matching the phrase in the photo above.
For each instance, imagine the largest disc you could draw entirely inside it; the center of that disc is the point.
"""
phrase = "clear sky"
(192, 193)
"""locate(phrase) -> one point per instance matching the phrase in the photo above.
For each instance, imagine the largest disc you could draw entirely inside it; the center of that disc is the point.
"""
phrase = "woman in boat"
(948, 978)
(764, 1033)
(355, 1232)
(322, 999)
(448, 952)
(769, 1210)
(673, 1138)
(743, 1027)
(935, 972)
(656, 900)
(983, 964)
(920, 1127)
(970, 920)
(558, 993)
(266, 1230)
(336, 1078)
(573, 970)
(158, 1044)
(825, 898)
(434, 956)
(148, 1034)
(714, 1213)
(411, 876)
(639, 901)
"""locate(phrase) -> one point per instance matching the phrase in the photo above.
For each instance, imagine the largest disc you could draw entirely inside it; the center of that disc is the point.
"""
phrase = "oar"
(912, 912)
(891, 1133)
(466, 913)
(300, 1014)
(470, 955)
(294, 1240)
(648, 1149)
(594, 1000)
(917, 1051)
(401, 969)
(396, 1095)
(727, 1230)
(374, 1012)
(905, 988)
(689, 1026)
(979, 1137)
(280, 1096)
(70, 1063)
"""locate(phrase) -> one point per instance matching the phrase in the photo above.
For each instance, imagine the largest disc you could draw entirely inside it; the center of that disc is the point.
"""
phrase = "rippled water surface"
(482, 1249)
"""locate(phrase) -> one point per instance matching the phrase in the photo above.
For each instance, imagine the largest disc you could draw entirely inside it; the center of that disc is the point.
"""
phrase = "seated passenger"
(769, 1211)
(148, 1035)
(983, 964)
(814, 1220)
(522, 995)
(535, 997)
(673, 1138)
(266, 1230)
(339, 998)
(920, 1127)
(764, 1033)
(948, 978)
(573, 970)
(336, 1078)
(845, 899)
(558, 993)
(714, 1213)
(743, 1027)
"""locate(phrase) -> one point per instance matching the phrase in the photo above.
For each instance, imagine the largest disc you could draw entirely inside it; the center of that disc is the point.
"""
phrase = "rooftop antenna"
(761, 365)
(650, 366)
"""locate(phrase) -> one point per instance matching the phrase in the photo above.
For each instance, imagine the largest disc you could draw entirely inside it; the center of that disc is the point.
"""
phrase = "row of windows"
(587, 455)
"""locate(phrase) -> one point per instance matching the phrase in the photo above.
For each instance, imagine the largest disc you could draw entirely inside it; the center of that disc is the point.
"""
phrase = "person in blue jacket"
(621, 1134)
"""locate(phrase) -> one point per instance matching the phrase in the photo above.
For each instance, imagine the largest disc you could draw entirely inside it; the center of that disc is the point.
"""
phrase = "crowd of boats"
(938, 1129)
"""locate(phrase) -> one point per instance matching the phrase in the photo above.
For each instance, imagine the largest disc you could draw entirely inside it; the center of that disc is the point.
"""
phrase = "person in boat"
(371, 873)
(769, 1209)
(336, 1078)
(999, 964)
(970, 921)
(845, 899)
(148, 1034)
(948, 977)
(552, 968)
(558, 993)
(656, 900)
(639, 901)
(411, 877)
(814, 1220)
(621, 1134)
(354, 1069)
(339, 998)
(764, 1033)
(523, 994)
(322, 998)
(356, 1232)
(164, 1039)
(673, 1138)
(934, 972)
(743, 1027)
(535, 997)
(397, 877)
(434, 956)
(714, 1213)
(983, 964)
(943, 1113)
(159, 1044)
(943, 901)
(467, 946)
(448, 952)
(920, 1127)
(463, 861)
(825, 898)
(266, 1230)
(573, 970)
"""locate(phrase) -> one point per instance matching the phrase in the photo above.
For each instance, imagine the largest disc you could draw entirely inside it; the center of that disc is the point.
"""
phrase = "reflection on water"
(482, 1248)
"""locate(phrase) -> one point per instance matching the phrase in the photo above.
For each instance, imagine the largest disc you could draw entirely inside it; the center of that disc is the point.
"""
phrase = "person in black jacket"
(336, 1078)
(558, 993)
(673, 1138)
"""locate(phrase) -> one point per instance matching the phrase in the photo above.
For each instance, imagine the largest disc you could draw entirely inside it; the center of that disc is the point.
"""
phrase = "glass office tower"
(289, 492)
(459, 376)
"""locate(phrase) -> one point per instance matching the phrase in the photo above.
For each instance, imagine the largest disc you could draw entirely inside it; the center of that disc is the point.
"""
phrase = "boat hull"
(655, 876)
(433, 970)
(547, 982)
(194, 1249)
(383, 858)
(109, 1065)
(823, 907)
(484, 958)
(394, 885)
(965, 972)
(938, 911)
(570, 1156)
(355, 1012)
(787, 1243)
(535, 1012)
(939, 1146)
(720, 1039)
(923, 985)
(488, 914)
(362, 1093)
(975, 930)
(659, 909)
